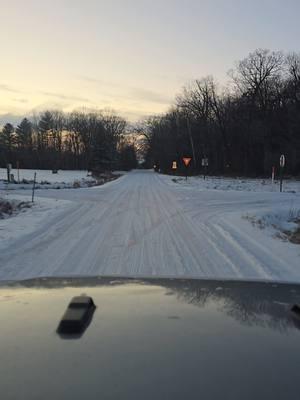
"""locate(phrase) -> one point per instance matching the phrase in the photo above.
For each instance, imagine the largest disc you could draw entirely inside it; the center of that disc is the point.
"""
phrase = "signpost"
(33, 187)
(273, 176)
(186, 161)
(8, 168)
(204, 164)
(282, 164)
(18, 168)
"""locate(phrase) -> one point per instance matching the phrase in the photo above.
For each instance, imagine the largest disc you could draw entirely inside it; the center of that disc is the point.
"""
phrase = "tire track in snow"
(264, 260)
(138, 226)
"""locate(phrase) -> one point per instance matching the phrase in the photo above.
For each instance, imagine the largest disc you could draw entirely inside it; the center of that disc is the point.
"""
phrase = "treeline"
(77, 140)
(242, 129)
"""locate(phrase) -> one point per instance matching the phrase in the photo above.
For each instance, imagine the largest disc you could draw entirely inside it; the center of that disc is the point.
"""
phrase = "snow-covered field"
(45, 179)
(145, 224)
(240, 184)
(46, 175)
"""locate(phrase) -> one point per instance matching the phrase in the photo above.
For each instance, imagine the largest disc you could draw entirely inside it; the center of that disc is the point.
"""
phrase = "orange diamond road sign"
(186, 160)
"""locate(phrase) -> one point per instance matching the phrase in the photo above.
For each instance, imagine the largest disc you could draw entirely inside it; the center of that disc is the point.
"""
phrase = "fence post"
(33, 187)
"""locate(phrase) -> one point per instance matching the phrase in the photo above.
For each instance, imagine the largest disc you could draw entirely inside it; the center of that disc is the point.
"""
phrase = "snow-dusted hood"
(151, 339)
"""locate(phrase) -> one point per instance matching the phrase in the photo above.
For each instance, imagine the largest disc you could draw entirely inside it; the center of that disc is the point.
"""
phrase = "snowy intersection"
(144, 224)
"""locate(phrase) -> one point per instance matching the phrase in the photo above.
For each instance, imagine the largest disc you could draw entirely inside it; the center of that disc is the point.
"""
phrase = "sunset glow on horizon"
(129, 56)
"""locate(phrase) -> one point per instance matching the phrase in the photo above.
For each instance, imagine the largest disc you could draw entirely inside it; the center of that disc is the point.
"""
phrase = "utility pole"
(8, 169)
(33, 187)
(282, 164)
(191, 140)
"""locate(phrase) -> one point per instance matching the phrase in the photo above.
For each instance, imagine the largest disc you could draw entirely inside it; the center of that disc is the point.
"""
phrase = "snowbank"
(279, 222)
(29, 219)
(9, 208)
(239, 184)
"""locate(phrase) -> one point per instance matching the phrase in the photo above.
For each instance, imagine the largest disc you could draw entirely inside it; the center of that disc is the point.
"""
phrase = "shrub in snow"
(8, 208)
(5, 208)
(76, 184)
(284, 224)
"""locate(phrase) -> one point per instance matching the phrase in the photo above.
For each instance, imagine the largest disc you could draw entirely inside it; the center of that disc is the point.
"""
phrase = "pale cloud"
(100, 82)
(20, 100)
(149, 96)
(8, 88)
(69, 97)
(131, 93)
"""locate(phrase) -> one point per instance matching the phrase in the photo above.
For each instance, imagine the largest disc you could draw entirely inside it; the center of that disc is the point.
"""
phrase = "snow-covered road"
(143, 224)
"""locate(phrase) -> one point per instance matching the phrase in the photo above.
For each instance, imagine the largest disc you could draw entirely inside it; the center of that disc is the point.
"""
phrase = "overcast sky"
(129, 55)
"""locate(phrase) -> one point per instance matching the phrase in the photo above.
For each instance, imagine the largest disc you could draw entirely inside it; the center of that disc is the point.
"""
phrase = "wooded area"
(242, 129)
(77, 140)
